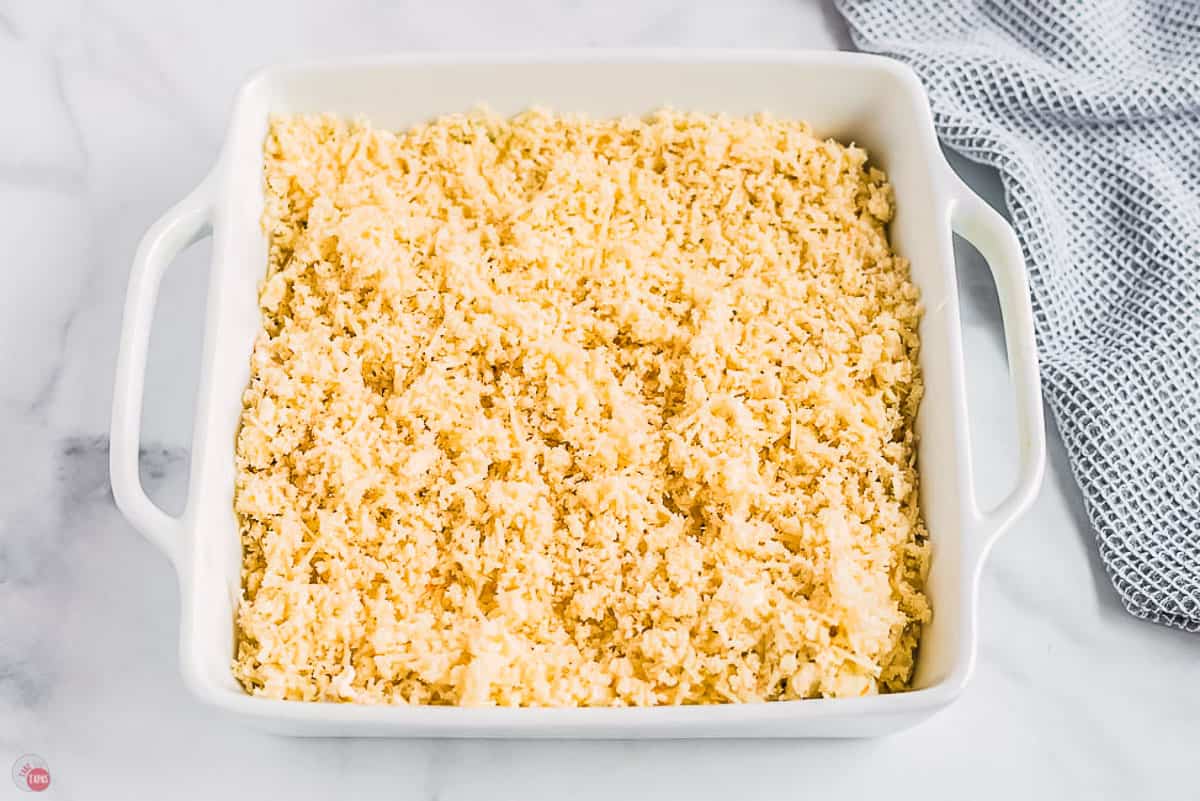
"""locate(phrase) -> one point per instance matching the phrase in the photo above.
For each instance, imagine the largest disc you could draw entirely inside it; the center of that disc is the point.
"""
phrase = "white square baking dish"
(870, 100)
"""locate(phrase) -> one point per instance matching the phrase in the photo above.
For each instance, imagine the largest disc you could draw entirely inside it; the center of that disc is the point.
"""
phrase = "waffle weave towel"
(1090, 110)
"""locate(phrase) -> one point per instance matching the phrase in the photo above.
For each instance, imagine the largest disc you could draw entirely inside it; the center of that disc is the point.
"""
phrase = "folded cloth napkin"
(1090, 110)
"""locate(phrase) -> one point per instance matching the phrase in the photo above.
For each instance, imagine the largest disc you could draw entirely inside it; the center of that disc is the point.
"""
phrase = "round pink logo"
(31, 774)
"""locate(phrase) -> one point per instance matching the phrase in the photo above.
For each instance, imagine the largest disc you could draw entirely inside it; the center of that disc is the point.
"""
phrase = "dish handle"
(186, 223)
(972, 218)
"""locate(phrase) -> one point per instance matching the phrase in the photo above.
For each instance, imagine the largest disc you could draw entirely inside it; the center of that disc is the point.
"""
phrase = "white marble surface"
(113, 110)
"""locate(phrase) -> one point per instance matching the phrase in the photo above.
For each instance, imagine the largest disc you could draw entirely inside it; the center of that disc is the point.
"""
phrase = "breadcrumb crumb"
(555, 411)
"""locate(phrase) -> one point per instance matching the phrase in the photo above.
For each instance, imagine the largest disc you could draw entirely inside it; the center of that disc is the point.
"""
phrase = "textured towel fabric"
(1090, 110)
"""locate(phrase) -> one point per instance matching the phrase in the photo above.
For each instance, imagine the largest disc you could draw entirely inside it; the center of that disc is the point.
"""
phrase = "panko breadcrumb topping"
(559, 411)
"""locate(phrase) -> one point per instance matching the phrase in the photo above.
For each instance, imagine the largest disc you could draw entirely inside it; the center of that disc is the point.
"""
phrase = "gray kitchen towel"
(1090, 110)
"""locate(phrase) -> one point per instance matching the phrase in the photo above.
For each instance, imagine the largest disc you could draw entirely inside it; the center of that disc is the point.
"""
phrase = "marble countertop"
(112, 111)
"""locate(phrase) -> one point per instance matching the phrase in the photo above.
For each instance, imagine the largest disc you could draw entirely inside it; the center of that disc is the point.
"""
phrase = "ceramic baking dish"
(870, 100)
